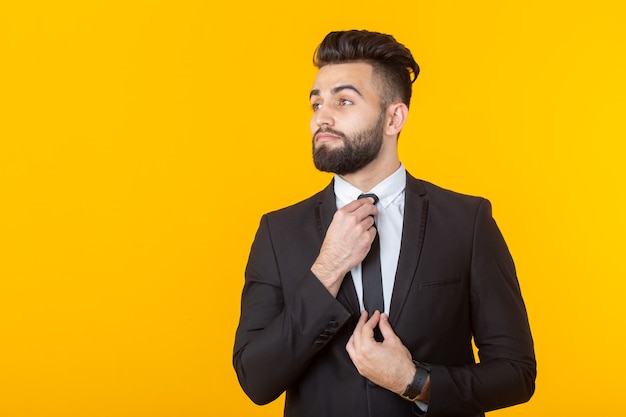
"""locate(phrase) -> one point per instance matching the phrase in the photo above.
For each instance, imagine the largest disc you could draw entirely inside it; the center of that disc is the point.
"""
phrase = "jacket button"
(333, 324)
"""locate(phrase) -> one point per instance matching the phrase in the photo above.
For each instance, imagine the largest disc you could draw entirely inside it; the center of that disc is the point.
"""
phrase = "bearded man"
(365, 299)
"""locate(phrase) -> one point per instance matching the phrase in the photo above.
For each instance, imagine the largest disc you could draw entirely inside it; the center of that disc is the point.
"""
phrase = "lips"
(325, 134)
(326, 137)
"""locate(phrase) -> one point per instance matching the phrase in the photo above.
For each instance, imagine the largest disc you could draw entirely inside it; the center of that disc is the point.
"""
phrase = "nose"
(323, 116)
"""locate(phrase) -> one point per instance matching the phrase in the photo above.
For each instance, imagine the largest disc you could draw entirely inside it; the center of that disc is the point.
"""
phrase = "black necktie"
(371, 274)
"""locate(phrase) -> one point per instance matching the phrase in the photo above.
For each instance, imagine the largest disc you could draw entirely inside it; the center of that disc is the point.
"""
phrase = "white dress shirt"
(390, 192)
(389, 221)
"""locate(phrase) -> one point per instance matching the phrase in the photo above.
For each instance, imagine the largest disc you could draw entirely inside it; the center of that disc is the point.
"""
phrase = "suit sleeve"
(505, 374)
(280, 329)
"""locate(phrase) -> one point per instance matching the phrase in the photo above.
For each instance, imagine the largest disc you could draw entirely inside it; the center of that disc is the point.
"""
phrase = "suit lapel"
(324, 212)
(414, 226)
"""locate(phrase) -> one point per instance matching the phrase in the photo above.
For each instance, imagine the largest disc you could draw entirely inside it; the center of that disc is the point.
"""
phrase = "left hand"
(388, 364)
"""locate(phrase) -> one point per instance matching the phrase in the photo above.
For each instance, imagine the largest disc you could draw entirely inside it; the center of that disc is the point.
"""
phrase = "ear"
(396, 116)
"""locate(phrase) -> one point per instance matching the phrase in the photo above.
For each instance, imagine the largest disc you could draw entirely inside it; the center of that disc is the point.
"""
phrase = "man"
(314, 323)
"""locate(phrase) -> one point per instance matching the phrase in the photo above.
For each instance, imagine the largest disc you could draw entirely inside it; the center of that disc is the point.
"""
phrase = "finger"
(356, 204)
(385, 327)
(371, 324)
(358, 212)
(367, 226)
(367, 209)
(350, 346)
(365, 205)
(361, 322)
(369, 198)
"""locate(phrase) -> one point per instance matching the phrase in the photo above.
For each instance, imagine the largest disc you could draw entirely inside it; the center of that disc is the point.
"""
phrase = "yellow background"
(140, 142)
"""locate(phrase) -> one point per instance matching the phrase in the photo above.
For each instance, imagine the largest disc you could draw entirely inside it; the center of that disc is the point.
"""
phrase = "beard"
(357, 151)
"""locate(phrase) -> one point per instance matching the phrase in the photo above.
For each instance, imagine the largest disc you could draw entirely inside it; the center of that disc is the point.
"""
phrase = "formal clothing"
(371, 276)
(455, 281)
(389, 221)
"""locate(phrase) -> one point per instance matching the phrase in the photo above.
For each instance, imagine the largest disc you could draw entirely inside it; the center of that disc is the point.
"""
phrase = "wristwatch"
(415, 388)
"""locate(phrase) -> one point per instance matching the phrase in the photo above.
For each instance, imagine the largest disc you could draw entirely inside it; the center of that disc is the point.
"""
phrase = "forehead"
(358, 74)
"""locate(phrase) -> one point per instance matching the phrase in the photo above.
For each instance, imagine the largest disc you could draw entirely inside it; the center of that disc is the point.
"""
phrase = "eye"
(316, 106)
(345, 102)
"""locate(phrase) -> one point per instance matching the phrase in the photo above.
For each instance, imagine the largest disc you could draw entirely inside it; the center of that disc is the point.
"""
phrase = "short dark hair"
(391, 60)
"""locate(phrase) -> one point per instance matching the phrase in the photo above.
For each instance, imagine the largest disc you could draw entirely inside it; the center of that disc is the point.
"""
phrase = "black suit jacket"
(455, 281)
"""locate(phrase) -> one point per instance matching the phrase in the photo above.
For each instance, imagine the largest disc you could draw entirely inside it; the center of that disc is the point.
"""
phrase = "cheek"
(312, 125)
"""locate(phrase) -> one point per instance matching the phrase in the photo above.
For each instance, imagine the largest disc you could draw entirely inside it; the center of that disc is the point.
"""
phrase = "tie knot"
(374, 196)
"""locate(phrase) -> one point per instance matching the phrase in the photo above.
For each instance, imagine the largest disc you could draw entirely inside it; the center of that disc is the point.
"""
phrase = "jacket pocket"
(440, 283)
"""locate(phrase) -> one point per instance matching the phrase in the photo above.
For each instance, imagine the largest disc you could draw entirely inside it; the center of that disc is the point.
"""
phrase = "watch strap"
(414, 389)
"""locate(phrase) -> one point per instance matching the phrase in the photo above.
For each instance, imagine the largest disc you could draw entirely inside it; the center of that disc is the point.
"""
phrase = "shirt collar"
(387, 190)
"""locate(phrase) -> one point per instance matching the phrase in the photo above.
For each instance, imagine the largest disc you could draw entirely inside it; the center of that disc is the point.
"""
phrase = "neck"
(376, 171)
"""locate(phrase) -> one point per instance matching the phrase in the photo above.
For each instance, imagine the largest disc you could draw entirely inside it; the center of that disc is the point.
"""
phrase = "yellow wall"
(140, 142)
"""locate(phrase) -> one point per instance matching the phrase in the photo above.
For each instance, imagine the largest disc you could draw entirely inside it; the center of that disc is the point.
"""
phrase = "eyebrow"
(335, 90)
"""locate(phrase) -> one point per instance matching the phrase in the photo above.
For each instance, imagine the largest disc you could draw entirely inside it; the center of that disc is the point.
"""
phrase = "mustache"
(326, 129)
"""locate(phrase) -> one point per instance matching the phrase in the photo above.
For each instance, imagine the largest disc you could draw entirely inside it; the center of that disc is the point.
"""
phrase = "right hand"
(348, 240)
